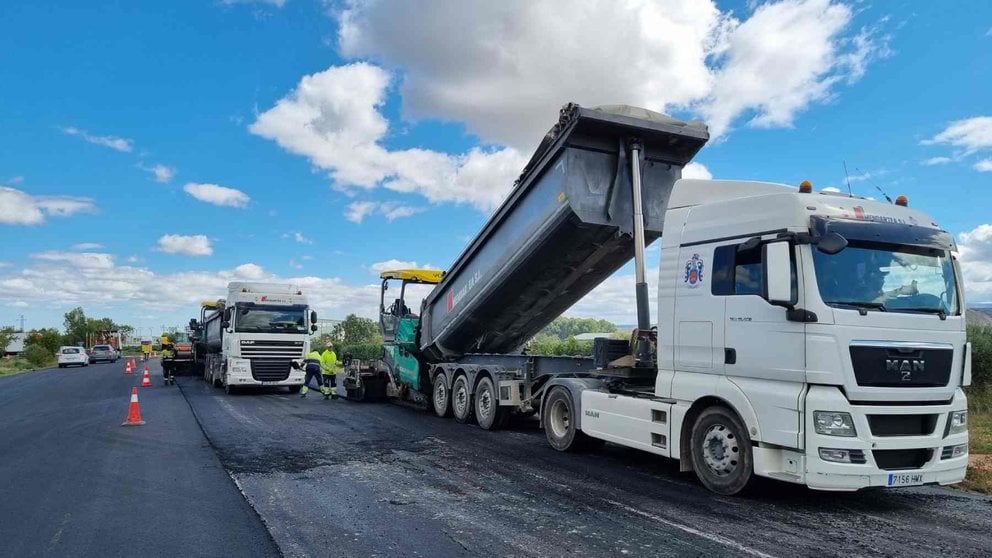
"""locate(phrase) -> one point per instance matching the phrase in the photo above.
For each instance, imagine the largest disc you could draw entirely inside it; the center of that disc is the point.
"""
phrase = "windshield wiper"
(861, 305)
(925, 310)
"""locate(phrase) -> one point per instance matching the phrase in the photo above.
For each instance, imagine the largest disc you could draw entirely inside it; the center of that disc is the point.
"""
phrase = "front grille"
(857, 456)
(270, 359)
(902, 425)
(901, 365)
(270, 369)
(894, 460)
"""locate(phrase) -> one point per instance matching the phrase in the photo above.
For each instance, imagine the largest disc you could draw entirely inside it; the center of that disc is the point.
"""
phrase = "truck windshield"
(270, 319)
(889, 278)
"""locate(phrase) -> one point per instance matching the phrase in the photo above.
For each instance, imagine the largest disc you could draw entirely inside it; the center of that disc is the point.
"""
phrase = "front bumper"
(826, 475)
(239, 374)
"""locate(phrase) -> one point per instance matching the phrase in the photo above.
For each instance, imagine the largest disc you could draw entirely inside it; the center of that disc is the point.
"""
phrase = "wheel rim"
(560, 418)
(720, 450)
(440, 393)
(461, 398)
(485, 402)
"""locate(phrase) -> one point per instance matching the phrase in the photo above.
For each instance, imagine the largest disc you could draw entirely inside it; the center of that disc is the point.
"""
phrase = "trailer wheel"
(721, 451)
(557, 415)
(488, 413)
(461, 400)
(442, 396)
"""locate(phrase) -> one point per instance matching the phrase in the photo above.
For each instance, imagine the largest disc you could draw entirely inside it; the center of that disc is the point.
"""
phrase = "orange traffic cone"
(146, 380)
(127, 369)
(133, 411)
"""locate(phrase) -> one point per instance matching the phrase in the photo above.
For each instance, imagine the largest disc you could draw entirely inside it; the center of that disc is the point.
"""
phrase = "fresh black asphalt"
(339, 478)
(77, 483)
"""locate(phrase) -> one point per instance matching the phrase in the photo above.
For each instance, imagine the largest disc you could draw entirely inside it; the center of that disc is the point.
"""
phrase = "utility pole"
(22, 323)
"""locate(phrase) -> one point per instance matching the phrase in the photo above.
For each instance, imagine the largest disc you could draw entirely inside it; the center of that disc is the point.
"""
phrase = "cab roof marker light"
(902, 201)
(805, 187)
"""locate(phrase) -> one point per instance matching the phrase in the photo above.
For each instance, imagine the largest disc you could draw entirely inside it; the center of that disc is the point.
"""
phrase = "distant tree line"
(40, 345)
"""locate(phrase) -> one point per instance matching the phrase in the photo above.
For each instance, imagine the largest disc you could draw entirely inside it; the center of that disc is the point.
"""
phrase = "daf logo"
(905, 366)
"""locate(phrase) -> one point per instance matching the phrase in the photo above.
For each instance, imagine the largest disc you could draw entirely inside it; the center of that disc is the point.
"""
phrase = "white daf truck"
(814, 338)
(252, 337)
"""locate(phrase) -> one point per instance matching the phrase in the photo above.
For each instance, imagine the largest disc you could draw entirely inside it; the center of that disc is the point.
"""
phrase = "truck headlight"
(240, 366)
(957, 422)
(833, 423)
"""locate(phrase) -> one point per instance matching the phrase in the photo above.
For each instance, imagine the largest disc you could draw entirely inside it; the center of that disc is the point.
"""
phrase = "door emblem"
(693, 271)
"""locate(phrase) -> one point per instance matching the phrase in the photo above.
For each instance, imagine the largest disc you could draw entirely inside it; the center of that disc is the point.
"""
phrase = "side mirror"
(831, 243)
(193, 324)
(777, 258)
(313, 316)
(313, 328)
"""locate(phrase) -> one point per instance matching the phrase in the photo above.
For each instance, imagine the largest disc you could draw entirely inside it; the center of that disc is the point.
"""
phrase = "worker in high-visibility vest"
(312, 367)
(329, 369)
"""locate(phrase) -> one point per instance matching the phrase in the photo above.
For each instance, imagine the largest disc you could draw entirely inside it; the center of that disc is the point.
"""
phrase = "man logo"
(905, 366)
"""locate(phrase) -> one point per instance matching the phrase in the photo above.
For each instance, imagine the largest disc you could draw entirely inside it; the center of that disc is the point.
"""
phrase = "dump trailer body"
(564, 229)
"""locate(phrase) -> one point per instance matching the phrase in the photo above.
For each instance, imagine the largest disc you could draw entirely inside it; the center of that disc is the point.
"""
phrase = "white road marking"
(709, 536)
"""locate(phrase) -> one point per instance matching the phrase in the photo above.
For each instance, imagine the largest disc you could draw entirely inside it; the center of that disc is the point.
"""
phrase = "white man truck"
(252, 337)
(814, 338)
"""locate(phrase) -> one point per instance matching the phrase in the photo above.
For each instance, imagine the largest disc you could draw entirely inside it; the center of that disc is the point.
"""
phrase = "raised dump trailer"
(814, 338)
(566, 227)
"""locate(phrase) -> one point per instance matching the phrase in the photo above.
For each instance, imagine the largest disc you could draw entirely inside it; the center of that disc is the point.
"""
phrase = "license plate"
(905, 479)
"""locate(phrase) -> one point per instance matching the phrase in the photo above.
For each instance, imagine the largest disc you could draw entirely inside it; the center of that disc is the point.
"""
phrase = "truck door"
(765, 352)
(698, 314)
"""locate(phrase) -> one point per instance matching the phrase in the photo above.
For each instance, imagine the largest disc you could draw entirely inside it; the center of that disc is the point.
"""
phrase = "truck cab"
(826, 330)
(252, 337)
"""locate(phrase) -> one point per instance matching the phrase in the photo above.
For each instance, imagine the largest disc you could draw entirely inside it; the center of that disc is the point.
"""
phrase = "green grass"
(979, 439)
(12, 366)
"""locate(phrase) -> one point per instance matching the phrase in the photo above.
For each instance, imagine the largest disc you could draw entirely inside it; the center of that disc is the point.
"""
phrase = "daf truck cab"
(252, 337)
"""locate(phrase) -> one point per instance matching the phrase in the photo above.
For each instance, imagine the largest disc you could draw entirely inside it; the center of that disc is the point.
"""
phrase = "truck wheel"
(721, 451)
(442, 396)
(461, 400)
(488, 413)
(557, 415)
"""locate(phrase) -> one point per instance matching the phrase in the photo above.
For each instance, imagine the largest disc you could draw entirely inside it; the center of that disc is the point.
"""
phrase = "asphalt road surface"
(77, 483)
(339, 478)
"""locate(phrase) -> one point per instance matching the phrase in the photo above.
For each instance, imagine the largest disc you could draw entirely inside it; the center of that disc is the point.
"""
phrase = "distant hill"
(979, 316)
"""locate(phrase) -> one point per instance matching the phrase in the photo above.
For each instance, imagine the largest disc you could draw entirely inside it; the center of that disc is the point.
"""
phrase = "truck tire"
(721, 451)
(441, 400)
(557, 414)
(488, 412)
(461, 399)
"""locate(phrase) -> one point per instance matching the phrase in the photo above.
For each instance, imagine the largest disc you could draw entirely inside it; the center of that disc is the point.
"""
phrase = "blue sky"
(416, 119)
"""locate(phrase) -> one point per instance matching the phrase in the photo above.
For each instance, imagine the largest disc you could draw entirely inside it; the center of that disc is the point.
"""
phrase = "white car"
(73, 355)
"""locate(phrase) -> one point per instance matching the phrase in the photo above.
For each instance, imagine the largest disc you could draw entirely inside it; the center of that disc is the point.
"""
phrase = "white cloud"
(217, 195)
(87, 246)
(90, 260)
(614, 299)
(62, 284)
(392, 265)
(831, 189)
(970, 134)
(134, 259)
(333, 119)
(985, 165)
(162, 173)
(975, 247)
(518, 61)
(358, 211)
(20, 208)
(113, 142)
(298, 237)
(6, 264)
(192, 245)
(697, 170)
(276, 3)
(937, 161)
